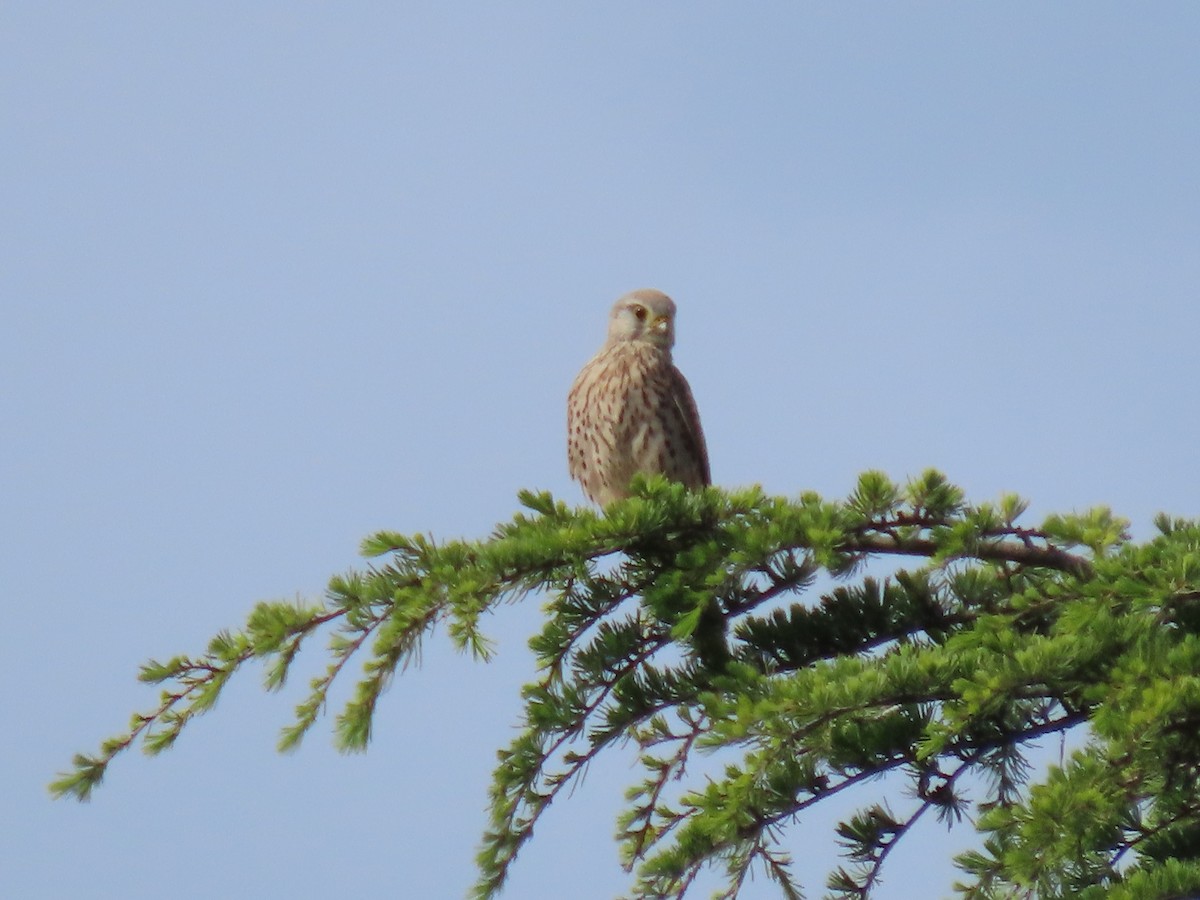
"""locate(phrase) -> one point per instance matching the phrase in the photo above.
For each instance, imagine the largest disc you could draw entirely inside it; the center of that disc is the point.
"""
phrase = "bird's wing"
(681, 392)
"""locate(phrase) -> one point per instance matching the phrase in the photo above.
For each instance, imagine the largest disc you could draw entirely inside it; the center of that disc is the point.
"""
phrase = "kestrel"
(630, 410)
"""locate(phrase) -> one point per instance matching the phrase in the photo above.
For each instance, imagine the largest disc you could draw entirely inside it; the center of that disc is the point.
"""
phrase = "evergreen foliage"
(684, 623)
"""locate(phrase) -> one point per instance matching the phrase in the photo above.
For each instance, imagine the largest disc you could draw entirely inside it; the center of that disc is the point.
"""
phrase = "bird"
(630, 410)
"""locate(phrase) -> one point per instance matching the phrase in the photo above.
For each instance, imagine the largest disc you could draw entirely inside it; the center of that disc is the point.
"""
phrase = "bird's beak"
(661, 325)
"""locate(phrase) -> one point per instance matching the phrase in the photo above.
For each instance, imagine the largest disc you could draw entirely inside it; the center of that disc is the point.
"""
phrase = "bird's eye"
(640, 313)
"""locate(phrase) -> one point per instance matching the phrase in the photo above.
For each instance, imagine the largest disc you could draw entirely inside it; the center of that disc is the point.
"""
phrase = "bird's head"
(646, 315)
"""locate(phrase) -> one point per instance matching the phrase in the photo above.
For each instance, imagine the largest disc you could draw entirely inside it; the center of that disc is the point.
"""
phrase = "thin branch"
(992, 551)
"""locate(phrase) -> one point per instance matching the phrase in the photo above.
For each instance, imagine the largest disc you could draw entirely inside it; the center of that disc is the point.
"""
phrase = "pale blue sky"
(276, 275)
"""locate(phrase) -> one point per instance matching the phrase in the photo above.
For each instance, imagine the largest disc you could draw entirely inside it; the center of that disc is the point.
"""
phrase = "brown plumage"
(630, 410)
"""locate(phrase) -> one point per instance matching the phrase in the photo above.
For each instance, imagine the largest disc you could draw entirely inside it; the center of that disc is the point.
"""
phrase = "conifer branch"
(1004, 634)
